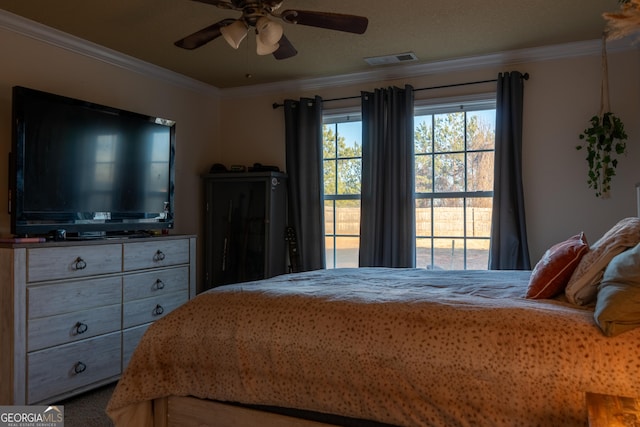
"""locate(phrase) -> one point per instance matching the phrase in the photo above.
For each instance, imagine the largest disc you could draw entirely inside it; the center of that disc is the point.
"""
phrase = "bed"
(375, 346)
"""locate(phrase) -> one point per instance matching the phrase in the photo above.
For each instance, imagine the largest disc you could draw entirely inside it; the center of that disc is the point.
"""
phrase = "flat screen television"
(83, 169)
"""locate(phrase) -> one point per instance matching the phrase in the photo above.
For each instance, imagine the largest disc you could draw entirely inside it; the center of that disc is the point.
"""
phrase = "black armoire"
(245, 224)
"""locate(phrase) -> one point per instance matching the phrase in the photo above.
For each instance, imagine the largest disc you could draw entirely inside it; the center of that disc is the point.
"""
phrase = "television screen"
(84, 167)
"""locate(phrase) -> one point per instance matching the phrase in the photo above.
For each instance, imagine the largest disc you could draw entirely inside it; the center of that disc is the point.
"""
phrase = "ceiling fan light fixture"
(234, 33)
(265, 49)
(269, 34)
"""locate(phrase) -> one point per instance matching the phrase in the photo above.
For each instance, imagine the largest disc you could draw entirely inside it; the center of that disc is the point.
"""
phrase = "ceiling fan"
(270, 38)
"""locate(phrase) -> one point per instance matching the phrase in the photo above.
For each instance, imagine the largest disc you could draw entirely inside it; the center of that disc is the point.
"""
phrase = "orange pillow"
(552, 273)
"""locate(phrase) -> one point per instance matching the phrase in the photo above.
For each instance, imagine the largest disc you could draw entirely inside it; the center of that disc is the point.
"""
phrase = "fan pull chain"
(248, 74)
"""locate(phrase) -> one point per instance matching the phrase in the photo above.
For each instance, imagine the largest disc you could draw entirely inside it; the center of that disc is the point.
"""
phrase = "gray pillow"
(618, 301)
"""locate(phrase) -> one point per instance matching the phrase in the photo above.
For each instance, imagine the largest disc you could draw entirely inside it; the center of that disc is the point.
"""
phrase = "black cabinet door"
(245, 221)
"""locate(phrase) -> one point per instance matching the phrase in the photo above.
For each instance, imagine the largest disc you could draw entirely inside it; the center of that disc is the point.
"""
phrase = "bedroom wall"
(560, 97)
(32, 63)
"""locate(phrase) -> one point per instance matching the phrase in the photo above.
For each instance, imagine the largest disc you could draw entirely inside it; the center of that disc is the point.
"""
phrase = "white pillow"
(583, 284)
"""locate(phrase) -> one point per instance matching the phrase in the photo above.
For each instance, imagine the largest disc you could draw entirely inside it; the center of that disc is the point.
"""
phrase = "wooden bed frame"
(178, 411)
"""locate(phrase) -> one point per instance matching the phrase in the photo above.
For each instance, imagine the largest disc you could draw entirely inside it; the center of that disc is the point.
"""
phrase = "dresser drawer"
(78, 325)
(72, 261)
(155, 253)
(59, 298)
(130, 339)
(151, 309)
(155, 282)
(61, 369)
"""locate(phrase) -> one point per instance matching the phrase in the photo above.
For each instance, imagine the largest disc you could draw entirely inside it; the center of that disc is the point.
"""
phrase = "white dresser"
(72, 313)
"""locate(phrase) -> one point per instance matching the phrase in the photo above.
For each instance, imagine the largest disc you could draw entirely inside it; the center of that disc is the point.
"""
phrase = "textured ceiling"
(433, 29)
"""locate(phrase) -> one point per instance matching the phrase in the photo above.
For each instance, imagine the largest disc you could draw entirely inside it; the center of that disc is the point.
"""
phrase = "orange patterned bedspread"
(408, 347)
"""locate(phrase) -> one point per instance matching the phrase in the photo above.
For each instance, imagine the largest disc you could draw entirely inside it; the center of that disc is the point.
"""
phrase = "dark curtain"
(387, 223)
(303, 136)
(509, 249)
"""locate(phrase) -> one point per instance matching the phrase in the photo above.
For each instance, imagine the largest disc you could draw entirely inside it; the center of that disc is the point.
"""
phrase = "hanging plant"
(604, 139)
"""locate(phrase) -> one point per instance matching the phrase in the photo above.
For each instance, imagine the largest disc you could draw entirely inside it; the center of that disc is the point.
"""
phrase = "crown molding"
(470, 63)
(43, 33)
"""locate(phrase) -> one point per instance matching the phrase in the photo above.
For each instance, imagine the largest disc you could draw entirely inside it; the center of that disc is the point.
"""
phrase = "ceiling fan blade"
(286, 49)
(332, 21)
(219, 3)
(203, 36)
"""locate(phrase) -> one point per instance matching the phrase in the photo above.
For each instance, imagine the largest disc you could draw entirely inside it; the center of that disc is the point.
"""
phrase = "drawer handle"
(158, 285)
(81, 328)
(158, 256)
(79, 368)
(79, 264)
(158, 310)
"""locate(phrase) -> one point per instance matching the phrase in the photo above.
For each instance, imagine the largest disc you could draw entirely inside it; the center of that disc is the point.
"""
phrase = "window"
(342, 167)
(454, 154)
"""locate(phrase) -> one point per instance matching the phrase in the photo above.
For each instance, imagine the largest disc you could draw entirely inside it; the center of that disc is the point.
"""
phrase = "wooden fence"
(443, 222)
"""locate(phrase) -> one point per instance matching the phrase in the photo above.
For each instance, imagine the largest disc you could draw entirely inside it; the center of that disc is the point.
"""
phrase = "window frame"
(336, 117)
(466, 103)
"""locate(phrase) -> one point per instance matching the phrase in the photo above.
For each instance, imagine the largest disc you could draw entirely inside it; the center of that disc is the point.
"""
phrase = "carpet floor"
(88, 409)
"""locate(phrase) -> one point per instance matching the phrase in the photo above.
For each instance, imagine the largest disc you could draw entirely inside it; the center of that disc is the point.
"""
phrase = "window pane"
(480, 171)
(477, 254)
(349, 172)
(448, 254)
(449, 172)
(329, 217)
(423, 253)
(479, 217)
(347, 249)
(423, 218)
(481, 127)
(448, 132)
(329, 249)
(349, 139)
(449, 220)
(329, 141)
(423, 131)
(424, 173)
(329, 171)
(347, 217)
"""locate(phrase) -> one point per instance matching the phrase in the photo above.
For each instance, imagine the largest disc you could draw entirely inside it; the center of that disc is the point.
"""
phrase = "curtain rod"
(524, 76)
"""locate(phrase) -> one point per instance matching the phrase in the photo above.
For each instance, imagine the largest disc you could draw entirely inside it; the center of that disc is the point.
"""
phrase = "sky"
(351, 131)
